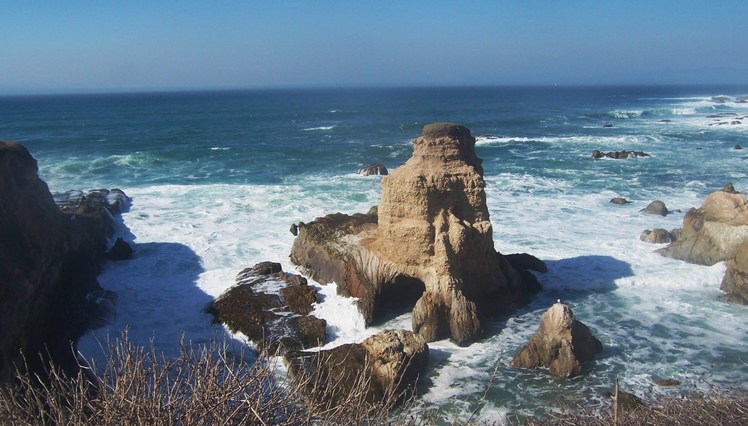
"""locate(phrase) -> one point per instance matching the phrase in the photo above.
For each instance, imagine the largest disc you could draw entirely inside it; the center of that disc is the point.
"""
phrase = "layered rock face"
(561, 343)
(713, 232)
(431, 233)
(384, 367)
(48, 262)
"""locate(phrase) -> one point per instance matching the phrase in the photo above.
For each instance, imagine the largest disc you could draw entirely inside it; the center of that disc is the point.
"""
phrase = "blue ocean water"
(218, 177)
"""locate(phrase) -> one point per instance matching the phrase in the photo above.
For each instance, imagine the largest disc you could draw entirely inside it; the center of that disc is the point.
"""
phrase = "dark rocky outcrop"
(49, 260)
(656, 207)
(431, 233)
(618, 155)
(120, 250)
(619, 201)
(373, 169)
(713, 232)
(561, 343)
(386, 366)
(277, 322)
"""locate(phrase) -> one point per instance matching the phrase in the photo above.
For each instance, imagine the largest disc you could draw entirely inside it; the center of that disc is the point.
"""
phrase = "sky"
(79, 46)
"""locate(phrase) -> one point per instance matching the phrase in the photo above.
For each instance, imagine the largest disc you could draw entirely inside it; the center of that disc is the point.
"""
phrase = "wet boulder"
(272, 309)
(656, 207)
(376, 169)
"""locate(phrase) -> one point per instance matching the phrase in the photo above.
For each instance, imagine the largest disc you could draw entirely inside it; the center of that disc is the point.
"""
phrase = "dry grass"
(210, 386)
(204, 386)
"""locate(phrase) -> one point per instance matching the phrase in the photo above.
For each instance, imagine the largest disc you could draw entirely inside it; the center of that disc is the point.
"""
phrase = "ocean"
(217, 178)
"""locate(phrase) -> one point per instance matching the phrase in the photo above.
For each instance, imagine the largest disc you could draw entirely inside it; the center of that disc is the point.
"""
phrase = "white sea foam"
(319, 128)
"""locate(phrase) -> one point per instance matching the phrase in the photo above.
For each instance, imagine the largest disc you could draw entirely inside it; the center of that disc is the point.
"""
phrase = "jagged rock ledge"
(277, 322)
(49, 259)
(385, 367)
(430, 241)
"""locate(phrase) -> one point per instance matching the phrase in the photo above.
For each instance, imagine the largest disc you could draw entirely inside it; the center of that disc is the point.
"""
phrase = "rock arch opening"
(397, 297)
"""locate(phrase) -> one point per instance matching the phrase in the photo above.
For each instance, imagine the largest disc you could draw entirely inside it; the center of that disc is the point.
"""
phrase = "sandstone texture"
(713, 232)
(561, 343)
(49, 260)
(735, 281)
(431, 238)
(386, 366)
(277, 321)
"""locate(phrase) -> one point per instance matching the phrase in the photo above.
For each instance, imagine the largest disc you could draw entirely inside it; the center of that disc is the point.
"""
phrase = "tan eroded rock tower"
(432, 227)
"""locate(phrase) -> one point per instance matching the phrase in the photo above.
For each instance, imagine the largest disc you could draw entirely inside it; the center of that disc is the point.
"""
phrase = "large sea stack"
(431, 240)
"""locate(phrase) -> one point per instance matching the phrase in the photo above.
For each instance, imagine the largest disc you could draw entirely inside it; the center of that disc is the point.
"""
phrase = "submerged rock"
(619, 201)
(561, 343)
(276, 322)
(618, 155)
(382, 368)
(431, 237)
(713, 232)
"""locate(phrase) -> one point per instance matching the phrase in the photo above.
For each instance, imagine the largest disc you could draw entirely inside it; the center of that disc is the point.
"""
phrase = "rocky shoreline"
(428, 246)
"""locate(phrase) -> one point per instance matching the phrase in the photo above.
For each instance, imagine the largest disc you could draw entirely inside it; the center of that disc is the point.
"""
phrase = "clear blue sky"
(134, 45)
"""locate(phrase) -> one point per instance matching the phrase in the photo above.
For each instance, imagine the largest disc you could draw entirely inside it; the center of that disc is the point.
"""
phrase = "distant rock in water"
(373, 169)
(729, 188)
(713, 232)
(385, 367)
(561, 343)
(276, 322)
(619, 201)
(618, 155)
(49, 259)
(737, 146)
(656, 207)
(431, 242)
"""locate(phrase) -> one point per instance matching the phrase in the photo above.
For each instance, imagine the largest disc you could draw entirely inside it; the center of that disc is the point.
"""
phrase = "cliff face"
(431, 235)
(48, 263)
